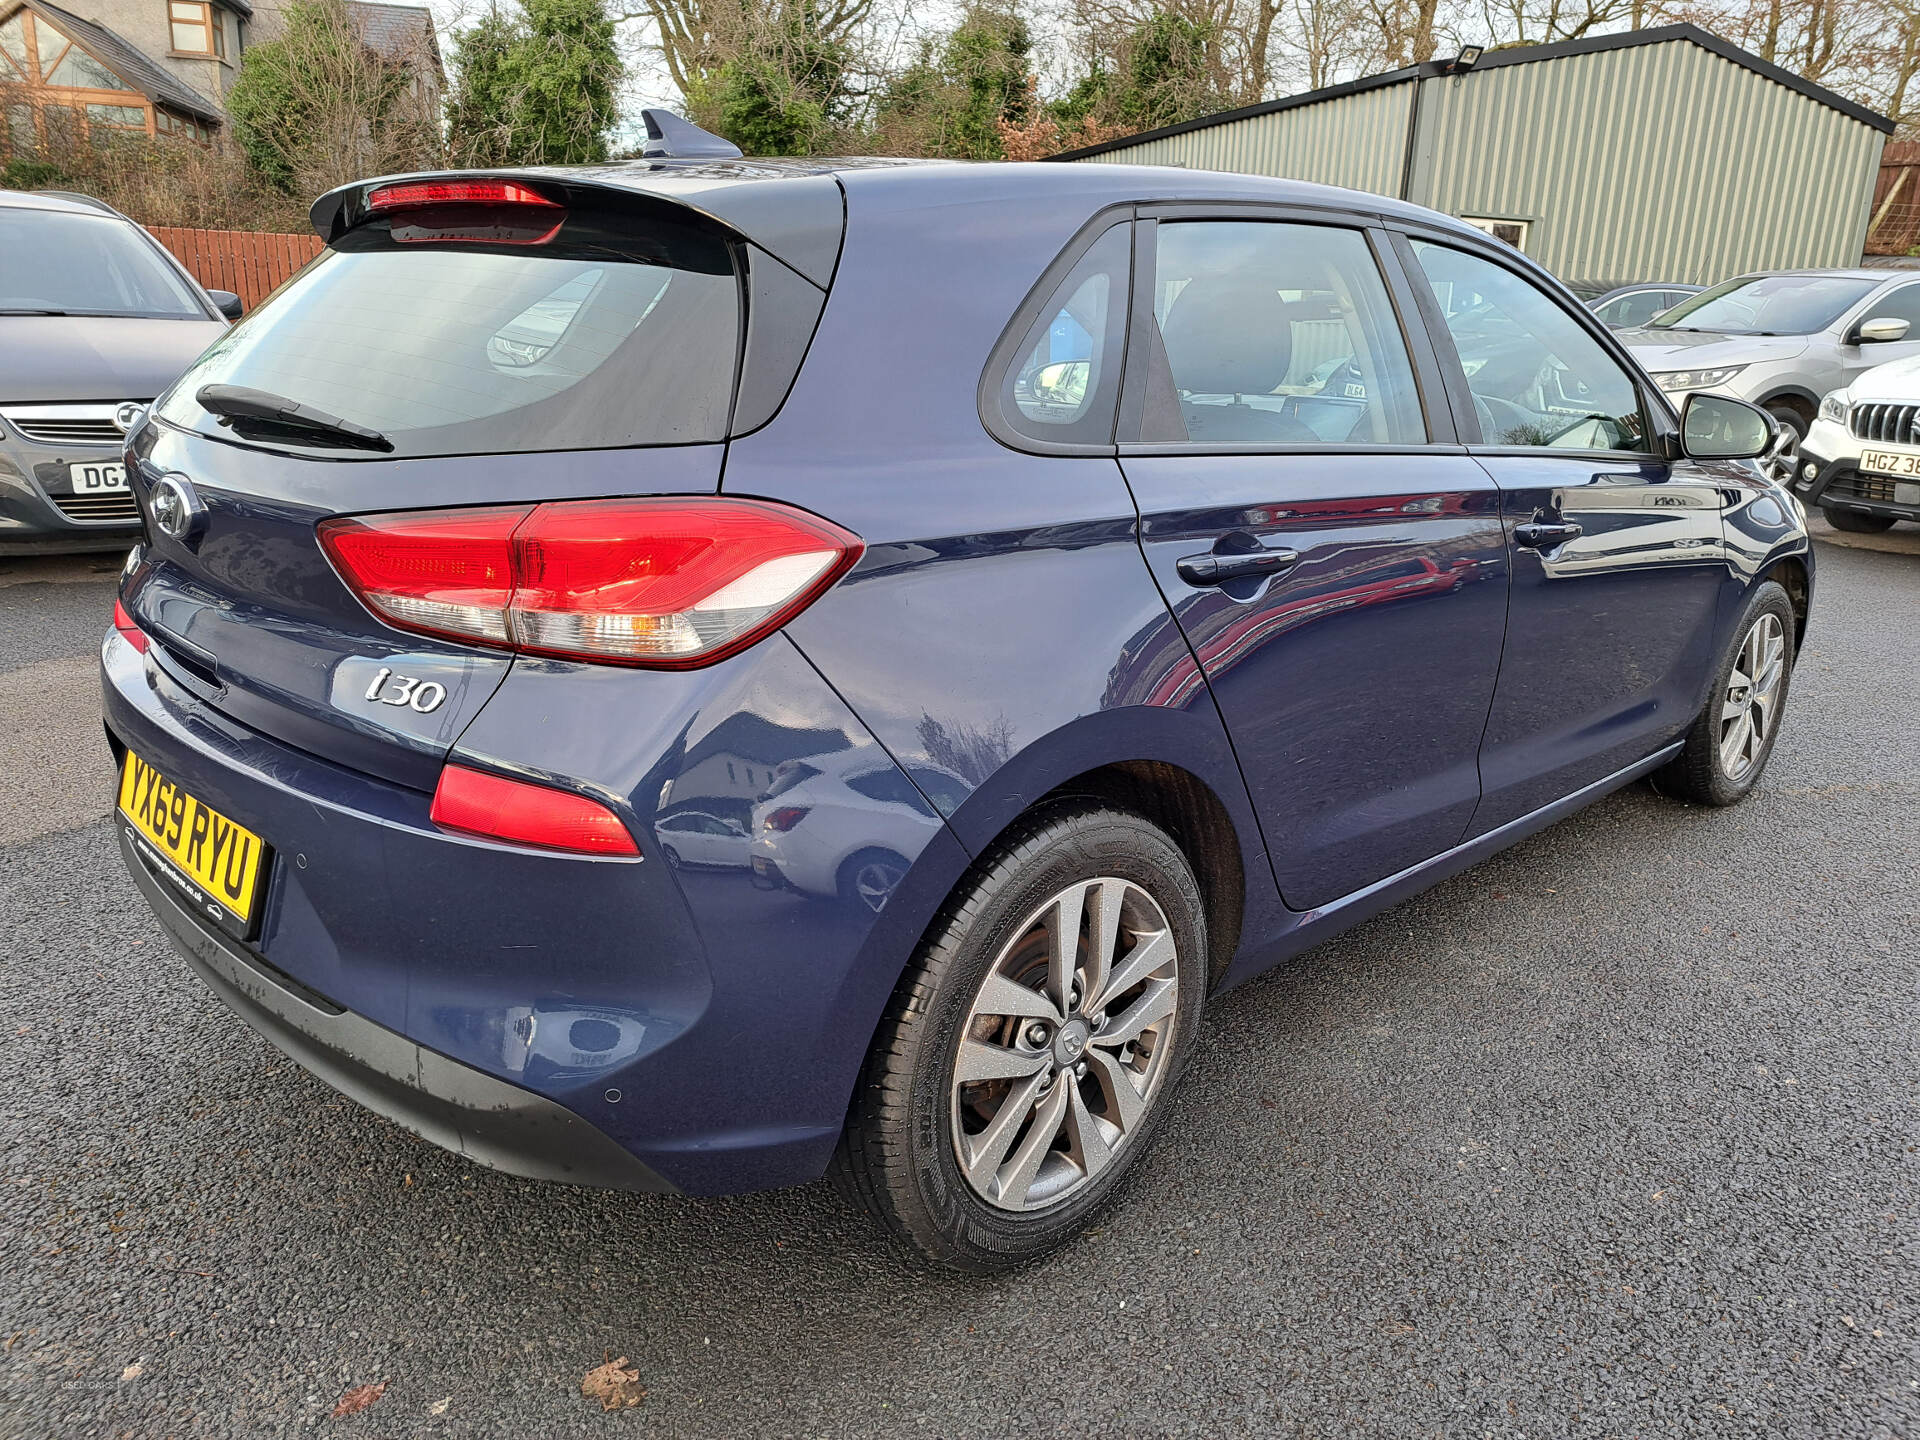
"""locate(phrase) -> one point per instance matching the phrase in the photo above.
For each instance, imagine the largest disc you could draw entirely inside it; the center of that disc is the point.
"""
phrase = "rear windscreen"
(621, 330)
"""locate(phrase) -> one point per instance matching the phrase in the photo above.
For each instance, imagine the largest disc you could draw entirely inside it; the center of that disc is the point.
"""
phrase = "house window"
(194, 30)
(1514, 232)
(128, 117)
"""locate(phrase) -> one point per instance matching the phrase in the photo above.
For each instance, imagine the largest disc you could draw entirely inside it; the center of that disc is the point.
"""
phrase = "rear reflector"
(666, 583)
(129, 630)
(477, 803)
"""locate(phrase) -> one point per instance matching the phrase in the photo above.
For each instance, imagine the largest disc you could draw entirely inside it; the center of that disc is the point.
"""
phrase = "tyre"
(1727, 747)
(868, 879)
(670, 855)
(1854, 523)
(1787, 457)
(1029, 1053)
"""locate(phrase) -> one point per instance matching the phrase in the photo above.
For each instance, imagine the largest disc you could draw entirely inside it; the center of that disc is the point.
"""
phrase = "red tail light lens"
(666, 583)
(785, 818)
(129, 629)
(476, 803)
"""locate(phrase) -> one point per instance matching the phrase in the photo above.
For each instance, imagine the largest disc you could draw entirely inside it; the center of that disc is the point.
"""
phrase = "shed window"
(1514, 232)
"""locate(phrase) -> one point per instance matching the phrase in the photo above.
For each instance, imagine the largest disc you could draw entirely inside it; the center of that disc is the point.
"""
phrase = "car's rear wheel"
(1733, 738)
(869, 878)
(1028, 1056)
(1854, 523)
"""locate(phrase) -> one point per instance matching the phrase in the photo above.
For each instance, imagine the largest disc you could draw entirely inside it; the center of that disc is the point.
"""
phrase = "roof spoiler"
(671, 138)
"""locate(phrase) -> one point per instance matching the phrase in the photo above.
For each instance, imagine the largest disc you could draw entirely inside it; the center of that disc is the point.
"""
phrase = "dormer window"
(195, 28)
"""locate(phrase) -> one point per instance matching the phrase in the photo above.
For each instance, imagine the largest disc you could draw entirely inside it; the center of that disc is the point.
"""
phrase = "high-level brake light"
(467, 212)
(670, 583)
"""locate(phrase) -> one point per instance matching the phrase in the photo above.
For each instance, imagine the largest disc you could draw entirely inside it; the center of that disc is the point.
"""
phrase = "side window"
(1279, 334)
(1901, 304)
(1539, 380)
(1064, 383)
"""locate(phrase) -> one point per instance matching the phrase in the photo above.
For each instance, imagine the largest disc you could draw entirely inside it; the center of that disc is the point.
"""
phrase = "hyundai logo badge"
(177, 512)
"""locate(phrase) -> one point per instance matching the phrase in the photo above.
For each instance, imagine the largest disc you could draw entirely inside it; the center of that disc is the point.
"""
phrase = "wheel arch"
(1797, 580)
(1798, 397)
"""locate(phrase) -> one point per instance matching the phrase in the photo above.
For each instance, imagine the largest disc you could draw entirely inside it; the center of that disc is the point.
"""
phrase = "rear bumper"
(455, 1106)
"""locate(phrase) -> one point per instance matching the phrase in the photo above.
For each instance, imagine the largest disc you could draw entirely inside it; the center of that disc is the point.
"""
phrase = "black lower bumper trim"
(458, 1108)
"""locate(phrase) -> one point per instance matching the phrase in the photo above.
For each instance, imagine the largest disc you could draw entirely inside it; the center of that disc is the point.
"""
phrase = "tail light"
(485, 212)
(478, 803)
(666, 583)
(785, 818)
(129, 629)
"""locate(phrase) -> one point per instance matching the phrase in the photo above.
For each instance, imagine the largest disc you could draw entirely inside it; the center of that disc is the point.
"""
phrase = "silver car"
(1783, 340)
(95, 320)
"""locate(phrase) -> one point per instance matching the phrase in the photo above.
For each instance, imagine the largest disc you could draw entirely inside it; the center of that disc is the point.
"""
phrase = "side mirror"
(1719, 427)
(229, 305)
(1882, 330)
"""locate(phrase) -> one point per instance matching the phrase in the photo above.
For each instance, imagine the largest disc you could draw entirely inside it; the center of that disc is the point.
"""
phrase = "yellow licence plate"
(215, 863)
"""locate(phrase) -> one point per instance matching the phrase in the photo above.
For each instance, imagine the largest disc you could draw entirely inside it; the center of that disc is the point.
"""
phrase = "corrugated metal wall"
(1358, 141)
(1659, 161)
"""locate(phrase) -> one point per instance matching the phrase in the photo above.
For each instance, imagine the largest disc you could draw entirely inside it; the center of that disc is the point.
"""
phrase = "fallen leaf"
(439, 1407)
(132, 1372)
(615, 1385)
(358, 1399)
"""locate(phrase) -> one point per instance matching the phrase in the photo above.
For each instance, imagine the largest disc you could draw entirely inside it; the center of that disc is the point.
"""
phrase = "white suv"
(1860, 463)
(1782, 340)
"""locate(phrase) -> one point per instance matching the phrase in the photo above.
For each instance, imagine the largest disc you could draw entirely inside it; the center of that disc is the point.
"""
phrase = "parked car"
(96, 318)
(429, 632)
(1861, 460)
(693, 837)
(1627, 306)
(842, 826)
(1783, 339)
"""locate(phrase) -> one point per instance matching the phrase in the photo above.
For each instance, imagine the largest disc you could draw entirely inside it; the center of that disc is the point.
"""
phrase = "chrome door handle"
(1538, 536)
(1218, 569)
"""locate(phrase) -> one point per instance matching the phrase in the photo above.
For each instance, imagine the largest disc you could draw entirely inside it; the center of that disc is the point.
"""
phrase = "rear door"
(1334, 558)
(1617, 553)
(573, 344)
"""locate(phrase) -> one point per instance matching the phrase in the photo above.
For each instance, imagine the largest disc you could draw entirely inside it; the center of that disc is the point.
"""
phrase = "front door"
(1340, 576)
(1618, 560)
(1858, 356)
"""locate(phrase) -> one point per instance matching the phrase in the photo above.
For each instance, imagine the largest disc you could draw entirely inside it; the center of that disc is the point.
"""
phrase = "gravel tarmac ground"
(1613, 1136)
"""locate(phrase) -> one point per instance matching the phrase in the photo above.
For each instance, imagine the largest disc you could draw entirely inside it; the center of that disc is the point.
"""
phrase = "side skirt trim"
(1311, 927)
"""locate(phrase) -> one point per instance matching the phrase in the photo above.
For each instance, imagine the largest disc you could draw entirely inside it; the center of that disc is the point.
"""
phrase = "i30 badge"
(177, 512)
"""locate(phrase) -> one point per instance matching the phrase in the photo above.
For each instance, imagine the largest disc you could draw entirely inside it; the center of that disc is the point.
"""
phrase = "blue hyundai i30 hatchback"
(688, 675)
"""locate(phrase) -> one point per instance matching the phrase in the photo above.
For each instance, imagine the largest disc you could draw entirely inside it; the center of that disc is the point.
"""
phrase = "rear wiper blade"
(243, 402)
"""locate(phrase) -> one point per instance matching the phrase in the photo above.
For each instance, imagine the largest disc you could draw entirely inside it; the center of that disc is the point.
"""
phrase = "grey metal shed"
(1662, 154)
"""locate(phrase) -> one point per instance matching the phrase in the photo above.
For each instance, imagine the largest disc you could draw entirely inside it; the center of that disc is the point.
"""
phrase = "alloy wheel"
(1065, 1045)
(1750, 707)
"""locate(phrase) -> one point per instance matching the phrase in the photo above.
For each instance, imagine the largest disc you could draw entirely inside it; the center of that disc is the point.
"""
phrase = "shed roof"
(1515, 55)
(126, 60)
